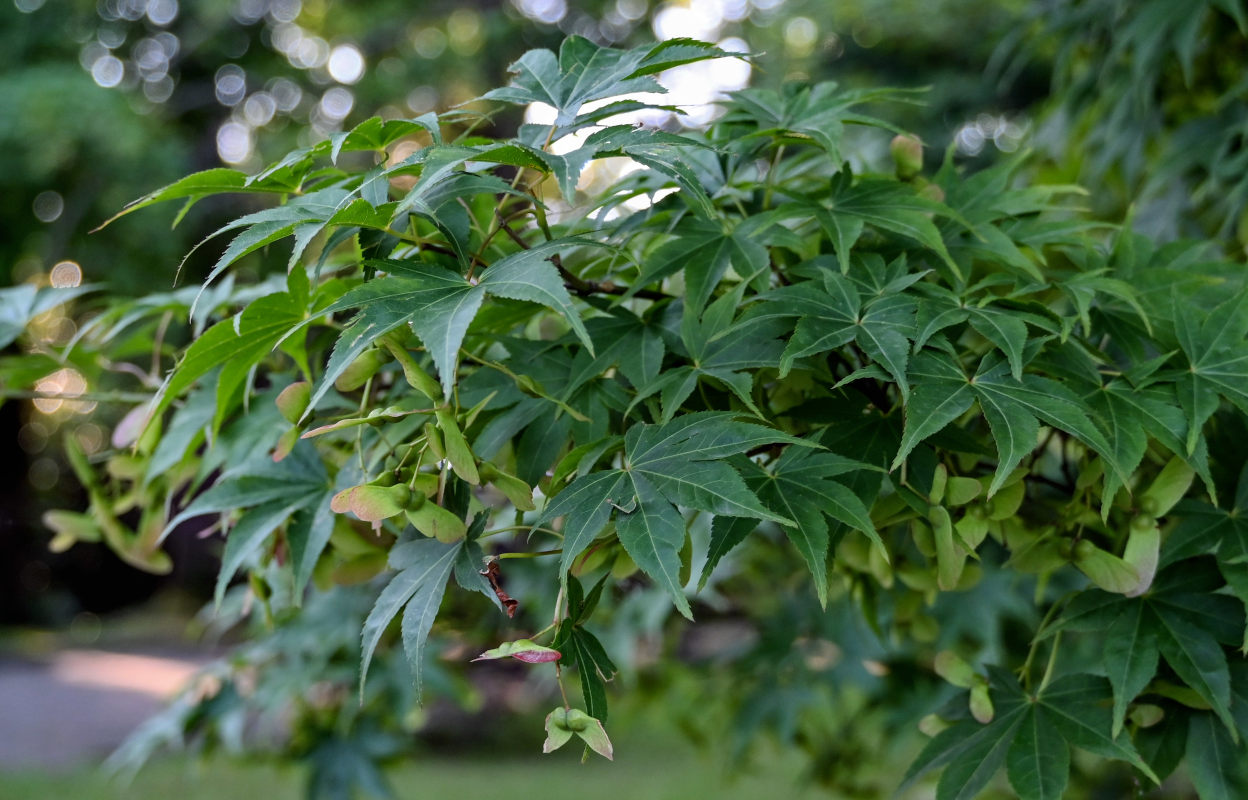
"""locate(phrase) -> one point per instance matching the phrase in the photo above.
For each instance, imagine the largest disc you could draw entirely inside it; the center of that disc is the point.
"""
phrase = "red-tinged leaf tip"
(521, 650)
(341, 502)
(131, 426)
(285, 444)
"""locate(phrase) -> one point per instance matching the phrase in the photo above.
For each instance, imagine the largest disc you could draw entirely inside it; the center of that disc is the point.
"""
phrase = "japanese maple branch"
(580, 286)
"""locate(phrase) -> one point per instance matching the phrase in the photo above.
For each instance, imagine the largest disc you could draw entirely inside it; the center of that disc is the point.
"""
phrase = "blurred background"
(103, 101)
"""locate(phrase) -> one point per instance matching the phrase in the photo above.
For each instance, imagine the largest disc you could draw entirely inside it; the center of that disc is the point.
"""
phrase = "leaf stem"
(511, 528)
(1025, 669)
(1048, 670)
(532, 554)
(770, 182)
(555, 623)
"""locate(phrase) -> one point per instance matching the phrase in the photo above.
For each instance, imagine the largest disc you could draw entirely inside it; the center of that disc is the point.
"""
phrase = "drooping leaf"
(423, 565)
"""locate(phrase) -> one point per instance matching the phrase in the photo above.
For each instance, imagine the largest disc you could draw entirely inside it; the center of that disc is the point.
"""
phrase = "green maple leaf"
(202, 184)
(719, 351)
(1030, 735)
(1179, 620)
(988, 200)
(818, 113)
(800, 485)
(703, 251)
(577, 644)
(1218, 360)
(656, 149)
(296, 489)
(584, 72)
(831, 313)
(1152, 410)
(1215, 762)
(1207, 529)
(620, 339)
(1013, 408)
(424, 566)
(440, 305)
(236, 345)
(678, 463)
(886, 205)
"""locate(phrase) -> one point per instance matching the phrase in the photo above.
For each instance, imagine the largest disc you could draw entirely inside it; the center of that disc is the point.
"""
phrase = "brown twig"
(580, 286)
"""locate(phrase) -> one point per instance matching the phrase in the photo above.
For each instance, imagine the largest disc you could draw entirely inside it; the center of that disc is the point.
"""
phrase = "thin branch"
(580, 286)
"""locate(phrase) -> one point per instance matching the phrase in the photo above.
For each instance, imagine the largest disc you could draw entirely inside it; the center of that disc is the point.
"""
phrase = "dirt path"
(76, 706)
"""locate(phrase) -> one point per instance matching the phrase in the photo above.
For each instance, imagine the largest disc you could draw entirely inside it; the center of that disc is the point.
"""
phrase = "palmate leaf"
(679, 463)
(704, 252)
(893, 207)
(657, 149)
(1152, 410)
(726, 533)
(623, 340)
(1038, 761)
(424, 567)
(831, 313)
(579, 646)
(1218, 357)
(440, 305)
(1205, 529)
(197, 185)
(1215, 761)
(1013, 408)
(720, 352)
(820, 112)
(295, 490)
(1030, 735)
(239, 342)
(1177, 620)
(584, 72)
(800, 486)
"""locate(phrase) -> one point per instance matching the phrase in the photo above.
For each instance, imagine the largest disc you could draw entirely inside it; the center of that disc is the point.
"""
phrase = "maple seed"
(521, 650)
(293, 401)
(357, 374)
(907, 153)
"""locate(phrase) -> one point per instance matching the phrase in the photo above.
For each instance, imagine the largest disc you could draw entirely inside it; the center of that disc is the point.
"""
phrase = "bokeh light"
(336, 103)
(259, 109)
(65, 275)
(230, 85)
(800, 34)
(463, 29)
(234, 142)
(107, 71)
(546, 11)
(60, 388)
(346, 64)
(48, 206)
(162, 12)
(429, 42)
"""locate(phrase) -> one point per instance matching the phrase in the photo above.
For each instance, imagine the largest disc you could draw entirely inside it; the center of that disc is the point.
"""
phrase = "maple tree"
(938, 391)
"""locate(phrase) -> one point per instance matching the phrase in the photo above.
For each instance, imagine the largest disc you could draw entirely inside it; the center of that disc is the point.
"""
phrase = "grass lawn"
(674, 771)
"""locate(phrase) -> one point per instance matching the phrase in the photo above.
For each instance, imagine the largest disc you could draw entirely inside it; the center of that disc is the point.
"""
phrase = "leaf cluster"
(903, 384)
